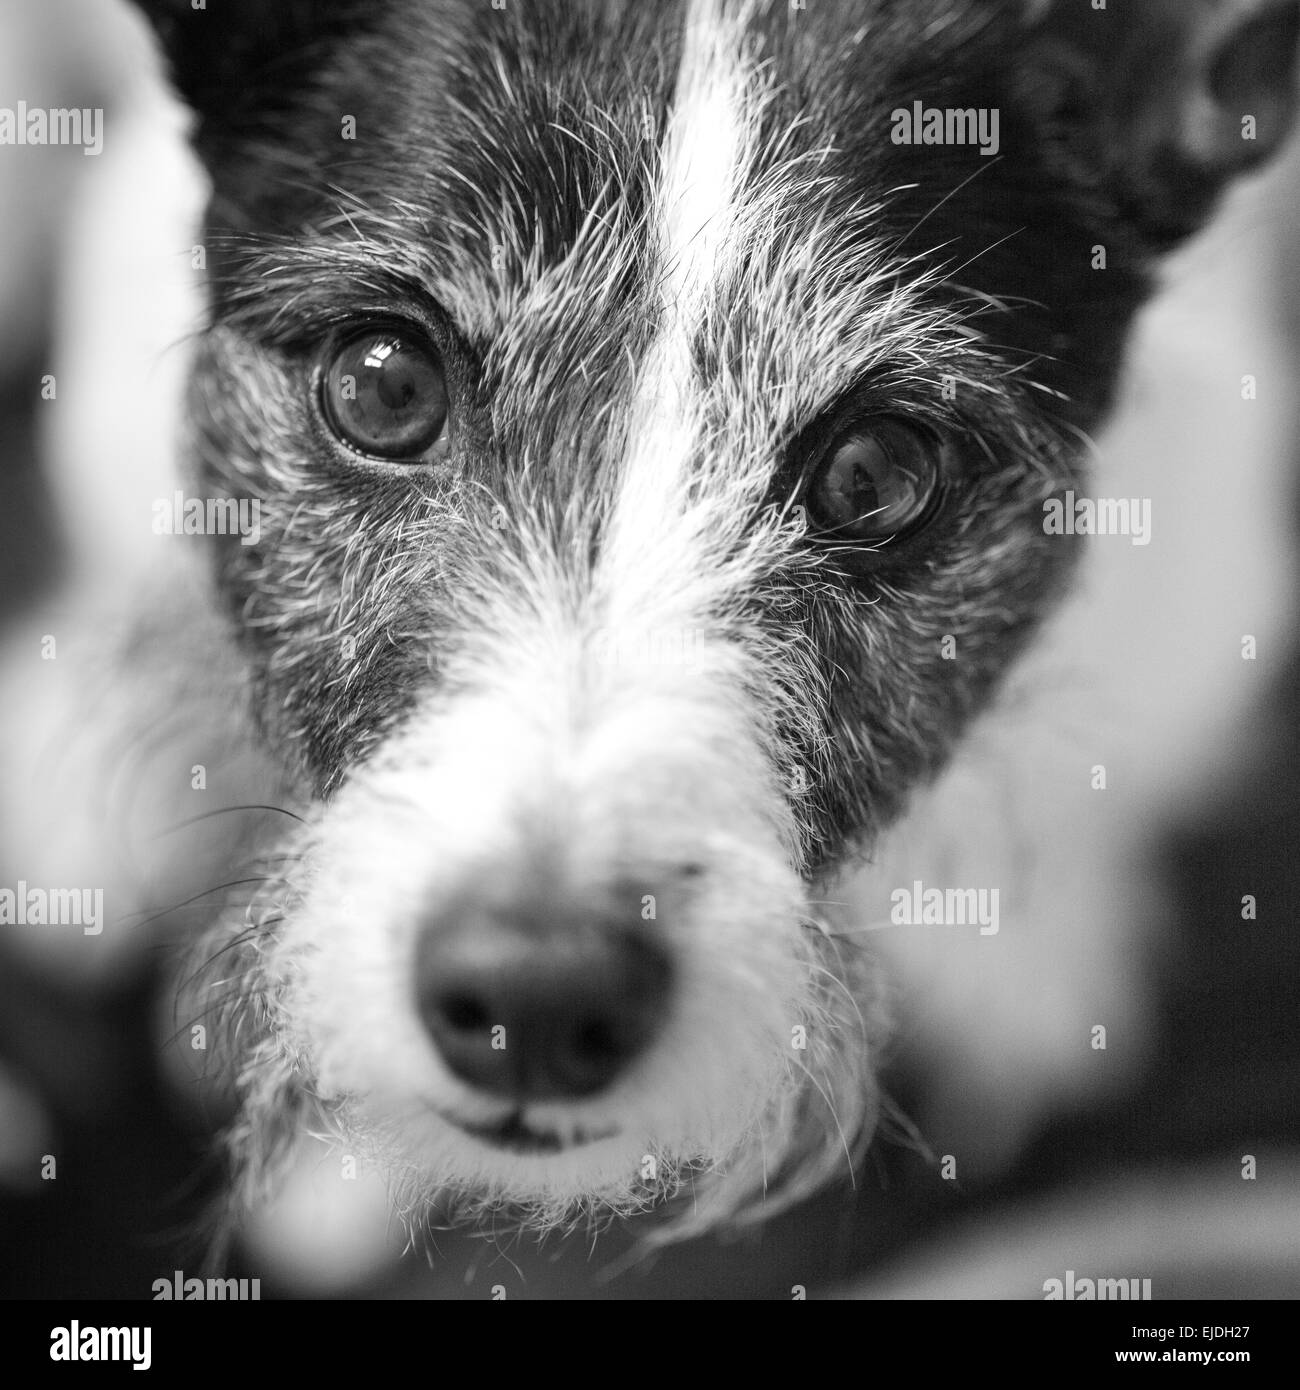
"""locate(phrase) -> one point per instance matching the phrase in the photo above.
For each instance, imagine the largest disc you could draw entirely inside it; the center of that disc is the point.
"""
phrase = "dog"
(660, 434)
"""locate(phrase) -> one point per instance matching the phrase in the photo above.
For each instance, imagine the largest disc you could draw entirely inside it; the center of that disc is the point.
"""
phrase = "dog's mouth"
(515, 1135)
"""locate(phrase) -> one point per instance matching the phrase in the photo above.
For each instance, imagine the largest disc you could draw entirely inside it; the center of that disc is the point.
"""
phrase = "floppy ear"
(1159, 103)
(238, 63)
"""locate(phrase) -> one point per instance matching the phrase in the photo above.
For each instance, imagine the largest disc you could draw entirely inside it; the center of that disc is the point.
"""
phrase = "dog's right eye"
(384, 394)
(875, 480)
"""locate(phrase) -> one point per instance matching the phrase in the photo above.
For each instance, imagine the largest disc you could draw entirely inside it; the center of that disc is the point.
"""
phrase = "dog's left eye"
(874, 481)
(384, 394)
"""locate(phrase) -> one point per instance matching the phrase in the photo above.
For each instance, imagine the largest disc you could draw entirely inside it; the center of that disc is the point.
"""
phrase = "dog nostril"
(544, 1015)
(596, 1039)
(463, 1013)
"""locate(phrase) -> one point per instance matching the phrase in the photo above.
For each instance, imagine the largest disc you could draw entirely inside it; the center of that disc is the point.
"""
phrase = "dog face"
(651, 429)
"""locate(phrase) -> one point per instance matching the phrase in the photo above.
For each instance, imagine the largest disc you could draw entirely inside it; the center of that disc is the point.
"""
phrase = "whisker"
(228, 810)
(249, 933)
(834, 1114)
(951, 193)
(206, 893)
(846, 991)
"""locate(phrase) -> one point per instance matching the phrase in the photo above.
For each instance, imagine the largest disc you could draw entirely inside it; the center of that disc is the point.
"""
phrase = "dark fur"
(446, 167)
(536, 129)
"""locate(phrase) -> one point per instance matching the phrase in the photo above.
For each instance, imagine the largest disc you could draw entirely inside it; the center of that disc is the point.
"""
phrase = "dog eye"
(875, 480)
(384, 394)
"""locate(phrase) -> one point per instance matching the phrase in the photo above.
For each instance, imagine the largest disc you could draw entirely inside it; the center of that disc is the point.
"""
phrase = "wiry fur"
(646, 339)
(702, 375)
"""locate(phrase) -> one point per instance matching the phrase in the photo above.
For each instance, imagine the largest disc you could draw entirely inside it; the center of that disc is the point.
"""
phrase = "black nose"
(539, 1016)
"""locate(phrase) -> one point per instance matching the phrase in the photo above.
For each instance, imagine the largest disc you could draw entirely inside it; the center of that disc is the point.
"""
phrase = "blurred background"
(1147, 1184)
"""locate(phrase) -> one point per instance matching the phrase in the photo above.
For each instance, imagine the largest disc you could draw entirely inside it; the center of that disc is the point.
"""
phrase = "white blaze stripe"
(705, 151)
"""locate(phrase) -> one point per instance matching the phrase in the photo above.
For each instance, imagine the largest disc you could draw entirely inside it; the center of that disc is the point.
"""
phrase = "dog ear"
(236, 63)
(1159, 103)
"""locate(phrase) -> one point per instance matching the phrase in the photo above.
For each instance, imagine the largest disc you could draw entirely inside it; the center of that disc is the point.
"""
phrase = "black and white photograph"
(650, 650)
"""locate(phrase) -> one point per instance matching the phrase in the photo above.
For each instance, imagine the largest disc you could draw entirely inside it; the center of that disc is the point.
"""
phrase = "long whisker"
(228, 810)
(206, 893)
(835, 1116)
